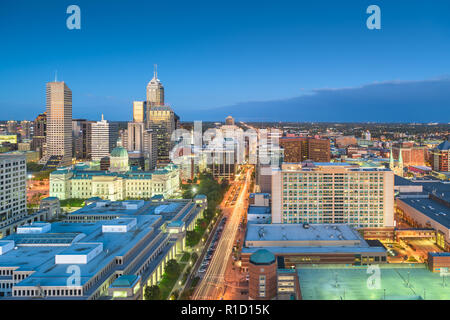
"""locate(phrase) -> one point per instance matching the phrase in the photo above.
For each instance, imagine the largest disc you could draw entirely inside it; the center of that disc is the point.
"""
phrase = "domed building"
(262, 275)
(119, 160)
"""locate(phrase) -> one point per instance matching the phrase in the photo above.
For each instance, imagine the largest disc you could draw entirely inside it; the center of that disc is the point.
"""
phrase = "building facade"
(66, 183)
(59, 123)
(412, 154)
(103, 138)
(298, 149)
(39, 134)
(441, 157)
(333, 193)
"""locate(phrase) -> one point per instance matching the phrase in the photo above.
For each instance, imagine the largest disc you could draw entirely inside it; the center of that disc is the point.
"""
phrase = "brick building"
(298, 149)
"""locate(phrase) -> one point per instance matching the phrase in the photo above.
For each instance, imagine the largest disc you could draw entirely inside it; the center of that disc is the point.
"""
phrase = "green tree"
(152, 293)
(172, 268)
(194, 257)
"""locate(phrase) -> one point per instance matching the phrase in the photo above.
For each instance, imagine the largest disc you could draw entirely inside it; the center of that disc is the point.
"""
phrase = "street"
(214, 282)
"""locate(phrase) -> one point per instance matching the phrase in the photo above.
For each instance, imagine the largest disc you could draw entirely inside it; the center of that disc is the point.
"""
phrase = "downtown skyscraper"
(103, 138)
(59, 123)
(161, 119)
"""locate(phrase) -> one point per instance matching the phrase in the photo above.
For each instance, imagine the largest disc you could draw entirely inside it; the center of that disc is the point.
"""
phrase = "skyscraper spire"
(155, 71)
(56, 75)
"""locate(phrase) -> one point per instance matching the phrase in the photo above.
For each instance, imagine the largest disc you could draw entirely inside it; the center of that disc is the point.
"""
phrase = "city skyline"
(309, 60)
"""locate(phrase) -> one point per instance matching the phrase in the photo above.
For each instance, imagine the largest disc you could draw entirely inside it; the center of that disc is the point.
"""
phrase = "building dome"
(119, 160)
(119, 152)
(262, 256)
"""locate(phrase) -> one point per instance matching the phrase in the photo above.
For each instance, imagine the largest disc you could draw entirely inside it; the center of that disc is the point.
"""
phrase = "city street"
(214, 282)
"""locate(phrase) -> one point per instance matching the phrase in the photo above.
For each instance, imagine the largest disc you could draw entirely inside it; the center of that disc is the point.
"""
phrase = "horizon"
(311, 63)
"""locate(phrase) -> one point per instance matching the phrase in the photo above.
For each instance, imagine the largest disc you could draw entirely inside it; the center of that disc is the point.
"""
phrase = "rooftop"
(432, 209)
(336, 282)
(262, 256)
(297, 232)
(125, 281)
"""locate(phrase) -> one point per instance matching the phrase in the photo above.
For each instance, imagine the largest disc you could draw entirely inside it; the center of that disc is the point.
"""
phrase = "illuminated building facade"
(332, 193)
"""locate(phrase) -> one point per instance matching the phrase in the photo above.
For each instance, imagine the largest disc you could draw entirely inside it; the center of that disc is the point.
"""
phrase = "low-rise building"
(312, 244)
(66, 183)
(111, 250)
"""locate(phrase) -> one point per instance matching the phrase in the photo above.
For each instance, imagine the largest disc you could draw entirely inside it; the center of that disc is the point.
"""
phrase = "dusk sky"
(256, 60)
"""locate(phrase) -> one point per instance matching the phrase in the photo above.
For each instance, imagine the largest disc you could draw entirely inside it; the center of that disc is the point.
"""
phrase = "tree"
(174, 295)
(152, 293)
(172, 268)
(194, 257)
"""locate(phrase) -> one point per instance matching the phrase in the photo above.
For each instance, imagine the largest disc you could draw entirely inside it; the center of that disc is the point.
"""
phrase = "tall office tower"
(298, 149)
(139, 111)
(162, 121)
(135, 132)
(155, 91)
(103, 138)
(39, 134)
(333, 193)
(151, 149)
(139, 139)
(11, 126)
(25, 129)
(82, 136)
(13, 204)
(59, 123)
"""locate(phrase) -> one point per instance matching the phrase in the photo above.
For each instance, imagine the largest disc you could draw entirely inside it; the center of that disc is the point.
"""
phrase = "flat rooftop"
(258, 210)
(432, 209)
(336, 282)
(295, 239)
(40, 257)
(296, 232)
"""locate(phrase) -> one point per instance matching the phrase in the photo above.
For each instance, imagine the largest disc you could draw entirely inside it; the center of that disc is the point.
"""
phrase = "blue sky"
(220, 56)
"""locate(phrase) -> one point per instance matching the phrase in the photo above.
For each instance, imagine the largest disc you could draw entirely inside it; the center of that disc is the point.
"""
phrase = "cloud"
(389, 101)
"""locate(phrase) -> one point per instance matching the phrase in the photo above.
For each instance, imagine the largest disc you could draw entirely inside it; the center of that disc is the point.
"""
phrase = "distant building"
(11, 127)
(59, 124)
(139, 111)
(412, 155)
(103, 138)
(441, 157)
(25, 129)
(40, 133)
(345, 141)
(229, 121)
(82, 138)
(298, 149)
(155, 91)
(139, 139)
(162, 120)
